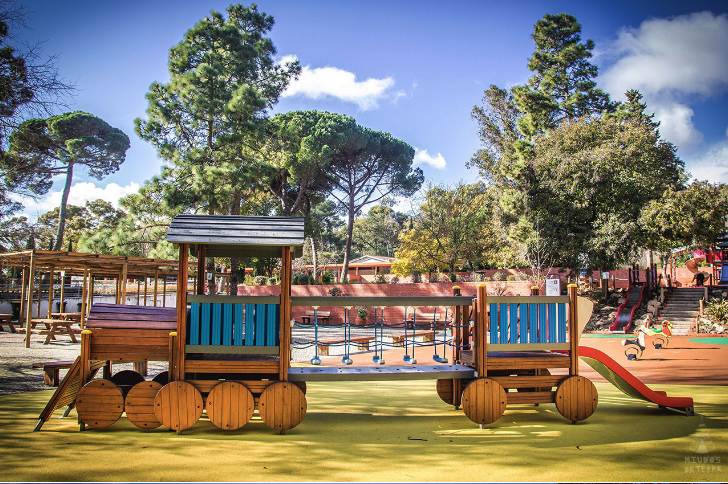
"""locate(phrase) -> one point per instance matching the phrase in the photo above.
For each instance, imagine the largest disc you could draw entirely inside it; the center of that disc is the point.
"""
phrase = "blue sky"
(411, 68)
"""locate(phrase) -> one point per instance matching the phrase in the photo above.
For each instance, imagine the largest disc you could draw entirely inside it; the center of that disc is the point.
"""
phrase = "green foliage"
(377, 233)
(327, 277)
(499, 276)
(223, 78)
(416, 276)
(335, 291)
(380, 279)
(14, 234)
(562, 87)
(43, 148)
(717, 311)
(260, 280)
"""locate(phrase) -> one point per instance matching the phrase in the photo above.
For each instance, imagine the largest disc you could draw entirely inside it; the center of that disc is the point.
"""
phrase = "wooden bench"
(322, 316)
(7, 320)
(401, 339)
(361, 342)
(51, 369)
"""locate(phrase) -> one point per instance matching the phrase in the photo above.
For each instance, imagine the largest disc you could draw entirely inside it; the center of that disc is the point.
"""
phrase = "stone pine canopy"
(238, 235)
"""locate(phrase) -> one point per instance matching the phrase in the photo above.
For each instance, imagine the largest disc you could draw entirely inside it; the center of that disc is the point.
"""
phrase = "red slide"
(618, 376)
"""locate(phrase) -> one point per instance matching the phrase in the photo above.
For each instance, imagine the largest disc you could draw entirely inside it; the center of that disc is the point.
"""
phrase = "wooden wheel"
(282, 406)
(576, 398)
(99, 404)
(125, 379)
(139, 405)
(230, 405)
(484, 401)
(178, 405)
(445, 389)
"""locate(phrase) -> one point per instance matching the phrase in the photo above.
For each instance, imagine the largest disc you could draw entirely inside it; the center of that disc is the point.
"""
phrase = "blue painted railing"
(222, 323)
(513, 322)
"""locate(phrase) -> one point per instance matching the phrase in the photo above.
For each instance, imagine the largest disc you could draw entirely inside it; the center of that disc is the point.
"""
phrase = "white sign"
(553, 287)
(605, 275)
(209, 276)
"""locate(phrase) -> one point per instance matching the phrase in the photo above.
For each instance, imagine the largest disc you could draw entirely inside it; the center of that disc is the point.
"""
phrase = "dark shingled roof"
(238, 235)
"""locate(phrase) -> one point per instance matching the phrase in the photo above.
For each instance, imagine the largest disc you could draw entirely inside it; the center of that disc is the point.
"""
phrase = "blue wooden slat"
(250, 325)
(205, 325)
(562, 323)
(503, 330)
(238, 322)
(552, 323)
(227, 324)
(195, 324)
(271, 324)
(216, 324)
(260, 325)
(542, 323)
(532, 323)
(494, 323)
(523, 325)
(513, 323)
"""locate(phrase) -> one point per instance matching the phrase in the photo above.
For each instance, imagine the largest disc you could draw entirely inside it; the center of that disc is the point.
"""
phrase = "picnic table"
(54, 327)
(75, 317)
(7, 320)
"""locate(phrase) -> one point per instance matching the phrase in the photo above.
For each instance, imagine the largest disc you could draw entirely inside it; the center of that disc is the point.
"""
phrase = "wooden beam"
(23, 288)
(29, 307)
(285, 343)
(84, 295)
(91, 279)
(124, 275)
(164, 292)
(182, 310)
(201, 251)
(145, 291)
(573, 331)
(156, 285)
(139, 290)
(50, 292)
(480, 351)
(63, 290)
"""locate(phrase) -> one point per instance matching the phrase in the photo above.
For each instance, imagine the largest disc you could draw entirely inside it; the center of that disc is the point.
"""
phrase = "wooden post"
(172, 372)
(145, 289)
(84, 296)
(50, 292)
(182, 273)
(139, 290)
(573, 331)
(480, 352)
(63, 291)
(23, 284)
(285, 344)
(164, 292)
(85, 356)
(201, 251)
(534, 290)
(40, 293)
(29, 307)
(156, 285)
(124, 275)
(91, 280)
(457, 320)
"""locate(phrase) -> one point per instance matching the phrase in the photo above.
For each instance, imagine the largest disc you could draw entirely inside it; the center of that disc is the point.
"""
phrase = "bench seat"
(51, 371)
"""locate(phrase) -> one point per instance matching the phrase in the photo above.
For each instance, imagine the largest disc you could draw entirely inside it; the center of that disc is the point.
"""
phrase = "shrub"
(510, 277)
(717, 311)
(294, 281)
(394, 280)
(453, 277)
(260, 280)
(499, 276)
(304, 280)
(416, 276)
(335, 291)
(249, 281)
(327, 277)
(380, 279)
(521, 276)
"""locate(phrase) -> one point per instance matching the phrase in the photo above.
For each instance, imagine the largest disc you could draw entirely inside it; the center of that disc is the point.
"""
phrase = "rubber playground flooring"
(401, 431)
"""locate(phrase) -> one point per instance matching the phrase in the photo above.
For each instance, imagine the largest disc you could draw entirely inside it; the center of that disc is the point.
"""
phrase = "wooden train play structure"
(230, 356)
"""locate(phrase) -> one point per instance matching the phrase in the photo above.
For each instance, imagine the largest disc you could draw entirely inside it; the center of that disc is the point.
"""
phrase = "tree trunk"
(210, 267)
(234, 261)
(347, 246)
(62, 211)
(314, 256)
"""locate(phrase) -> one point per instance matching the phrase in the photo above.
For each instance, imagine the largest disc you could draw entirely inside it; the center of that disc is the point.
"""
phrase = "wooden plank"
(99, 404)
(132, 325)
(139, 405)
(194, 323)
(529, 381)
(562, 323)
(552, 336)
(380, 373)
(526, 363)
(230, 405)
(529, 347)
(233, 350)
(214, 366)
(178, 405)
(531, 397)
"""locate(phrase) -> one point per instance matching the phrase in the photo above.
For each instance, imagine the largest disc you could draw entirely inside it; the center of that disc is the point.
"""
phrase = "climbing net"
(412, 333)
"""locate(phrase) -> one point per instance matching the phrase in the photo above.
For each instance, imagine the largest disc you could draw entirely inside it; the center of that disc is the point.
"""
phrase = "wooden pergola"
(88, 266)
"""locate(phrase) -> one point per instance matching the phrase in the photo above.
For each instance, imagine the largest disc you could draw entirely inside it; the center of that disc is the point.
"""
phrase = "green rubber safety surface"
(710, 341)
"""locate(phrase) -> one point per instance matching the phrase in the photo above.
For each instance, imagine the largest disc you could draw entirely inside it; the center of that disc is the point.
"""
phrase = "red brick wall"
(392, 314)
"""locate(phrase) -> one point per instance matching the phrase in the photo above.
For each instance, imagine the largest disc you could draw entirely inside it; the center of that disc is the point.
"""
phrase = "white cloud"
(80, 193)
(711, 164)
(421, 156)
(322, 82)
(670, 61)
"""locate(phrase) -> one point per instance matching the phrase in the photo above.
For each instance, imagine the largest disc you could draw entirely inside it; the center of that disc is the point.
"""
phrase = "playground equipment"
(623, 323)
(231, 355)
(661, 338)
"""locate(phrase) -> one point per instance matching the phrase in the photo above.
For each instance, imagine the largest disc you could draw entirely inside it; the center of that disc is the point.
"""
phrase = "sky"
(412, 68)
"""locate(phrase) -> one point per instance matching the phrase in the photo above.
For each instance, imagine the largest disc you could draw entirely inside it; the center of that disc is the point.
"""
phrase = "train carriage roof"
(238, 235)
